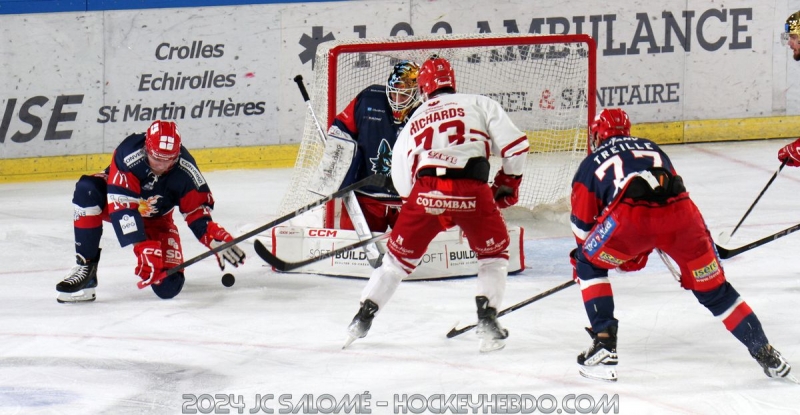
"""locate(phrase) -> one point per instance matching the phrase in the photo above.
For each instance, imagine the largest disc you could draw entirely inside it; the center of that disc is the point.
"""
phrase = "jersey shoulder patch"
(189, 168)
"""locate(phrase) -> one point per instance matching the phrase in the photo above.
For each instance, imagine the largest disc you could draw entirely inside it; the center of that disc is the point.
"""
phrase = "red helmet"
(163, 141)
(435, 73)
(610, 122)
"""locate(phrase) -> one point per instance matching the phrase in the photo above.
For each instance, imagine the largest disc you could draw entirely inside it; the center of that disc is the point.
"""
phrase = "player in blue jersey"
(628, 200)
(373, 119)
(150, 174)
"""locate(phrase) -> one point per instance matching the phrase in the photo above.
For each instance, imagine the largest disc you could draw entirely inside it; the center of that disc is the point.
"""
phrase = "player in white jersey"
(440, 168)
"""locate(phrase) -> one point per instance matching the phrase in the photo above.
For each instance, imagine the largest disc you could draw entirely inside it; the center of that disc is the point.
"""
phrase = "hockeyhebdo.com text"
(365, 403)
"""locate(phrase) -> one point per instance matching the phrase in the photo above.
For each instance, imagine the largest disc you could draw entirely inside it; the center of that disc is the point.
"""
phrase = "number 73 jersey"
(603, 174)
(448, 130)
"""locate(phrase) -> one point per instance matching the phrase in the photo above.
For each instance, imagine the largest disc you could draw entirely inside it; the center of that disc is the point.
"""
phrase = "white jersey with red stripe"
(448, 130)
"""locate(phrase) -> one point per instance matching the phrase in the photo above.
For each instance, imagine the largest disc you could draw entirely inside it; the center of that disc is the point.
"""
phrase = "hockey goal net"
(546, 84)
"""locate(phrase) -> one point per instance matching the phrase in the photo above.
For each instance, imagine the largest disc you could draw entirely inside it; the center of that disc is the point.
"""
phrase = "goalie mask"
(792, 27)
(610, 122)
(401, 90)
(435, 74)
(162, 145)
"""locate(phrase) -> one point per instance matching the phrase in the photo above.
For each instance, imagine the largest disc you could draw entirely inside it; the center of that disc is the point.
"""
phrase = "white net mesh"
(543, 83)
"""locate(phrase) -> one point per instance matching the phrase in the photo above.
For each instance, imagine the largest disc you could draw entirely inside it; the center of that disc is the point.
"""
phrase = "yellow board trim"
(704, 131)
(209, 159)
(283, 156)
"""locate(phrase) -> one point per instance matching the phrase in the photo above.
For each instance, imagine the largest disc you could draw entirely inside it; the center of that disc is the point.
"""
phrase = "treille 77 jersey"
(448, 130)
(603, 174)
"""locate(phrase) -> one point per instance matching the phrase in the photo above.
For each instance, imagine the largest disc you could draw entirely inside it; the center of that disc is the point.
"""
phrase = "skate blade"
(349, 341)
(83, 296)
(491, 345)
(599, 372)
(791, 378)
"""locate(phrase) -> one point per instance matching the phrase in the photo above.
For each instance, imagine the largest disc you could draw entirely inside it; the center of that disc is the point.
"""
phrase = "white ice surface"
(130, 352)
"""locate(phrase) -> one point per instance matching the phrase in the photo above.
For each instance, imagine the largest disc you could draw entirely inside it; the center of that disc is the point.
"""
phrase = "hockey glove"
(217, 235)
(635, 264)
(573, 260)
(506, 189)
(151, 262)
(790, 154)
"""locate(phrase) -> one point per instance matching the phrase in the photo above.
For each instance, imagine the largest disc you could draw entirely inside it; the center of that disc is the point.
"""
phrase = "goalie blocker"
(448, 255)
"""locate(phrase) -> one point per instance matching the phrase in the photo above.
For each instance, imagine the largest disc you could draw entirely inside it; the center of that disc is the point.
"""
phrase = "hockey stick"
(455, 332)
(282, 265)
(299, 80)
(373, 251)
(724, 238)
(665, 258)
(374, 180)
(725, 253)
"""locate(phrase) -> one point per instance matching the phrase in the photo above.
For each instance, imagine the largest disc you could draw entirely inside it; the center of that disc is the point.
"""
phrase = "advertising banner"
(78, 83)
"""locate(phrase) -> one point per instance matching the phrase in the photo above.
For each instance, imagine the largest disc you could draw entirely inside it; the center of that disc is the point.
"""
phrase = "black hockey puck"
(228, 280)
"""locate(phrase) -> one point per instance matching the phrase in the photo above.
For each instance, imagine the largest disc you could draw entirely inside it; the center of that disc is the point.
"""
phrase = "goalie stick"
(373, 180)
(725, 253)
(455, 332)
(360, 225)
(282, 265)
(724, 237)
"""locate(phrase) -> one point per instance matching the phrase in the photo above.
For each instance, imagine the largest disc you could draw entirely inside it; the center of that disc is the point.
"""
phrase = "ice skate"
(361, 323)
(600, 360)
(492, 335)
(79, 284)
(773, 363)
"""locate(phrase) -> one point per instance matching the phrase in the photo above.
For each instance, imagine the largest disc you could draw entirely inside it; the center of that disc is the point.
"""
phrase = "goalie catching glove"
(506, 189)
(790, 153)
(217, 235)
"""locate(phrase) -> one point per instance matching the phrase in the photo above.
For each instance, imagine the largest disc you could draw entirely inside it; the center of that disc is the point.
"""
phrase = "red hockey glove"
(151, 262)
(638, 262)
(574, 262)
(217, 235)
(790, 154)
(506, 189)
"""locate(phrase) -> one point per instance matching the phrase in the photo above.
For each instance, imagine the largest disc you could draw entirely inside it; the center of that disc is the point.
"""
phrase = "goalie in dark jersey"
(150, 174)
(628, 200)
(373, 119)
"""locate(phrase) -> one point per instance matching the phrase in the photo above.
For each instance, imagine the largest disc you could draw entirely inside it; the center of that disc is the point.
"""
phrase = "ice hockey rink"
(281, 334)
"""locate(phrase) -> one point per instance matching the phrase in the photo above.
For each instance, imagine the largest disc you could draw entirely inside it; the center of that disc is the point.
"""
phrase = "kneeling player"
(150, 174)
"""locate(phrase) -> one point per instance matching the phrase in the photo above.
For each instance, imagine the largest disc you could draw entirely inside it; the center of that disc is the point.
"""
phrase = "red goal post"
(546, 83)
